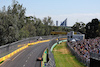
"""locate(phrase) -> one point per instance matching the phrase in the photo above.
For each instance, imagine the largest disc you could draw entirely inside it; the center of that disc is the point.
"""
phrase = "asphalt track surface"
(27, 57)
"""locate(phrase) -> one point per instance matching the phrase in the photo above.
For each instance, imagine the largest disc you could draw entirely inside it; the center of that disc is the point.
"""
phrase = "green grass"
(64, 58)
(1, 62)
(44, 59)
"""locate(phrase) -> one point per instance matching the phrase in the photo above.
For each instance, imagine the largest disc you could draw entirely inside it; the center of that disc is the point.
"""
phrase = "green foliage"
(1, 62)
(24, 33)
(79, 27)
(93, 29)
(64, 58)
(11, 22)
(14, 25)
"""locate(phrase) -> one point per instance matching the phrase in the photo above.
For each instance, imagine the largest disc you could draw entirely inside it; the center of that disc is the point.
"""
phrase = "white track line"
(17, 55)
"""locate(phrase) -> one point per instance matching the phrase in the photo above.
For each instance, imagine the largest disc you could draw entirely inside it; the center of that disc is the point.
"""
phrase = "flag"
(64, 23)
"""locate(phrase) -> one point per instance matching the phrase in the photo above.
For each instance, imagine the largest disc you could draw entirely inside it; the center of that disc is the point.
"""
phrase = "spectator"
(84, 47)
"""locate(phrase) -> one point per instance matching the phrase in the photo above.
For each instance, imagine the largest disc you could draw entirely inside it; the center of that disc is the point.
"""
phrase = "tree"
(39, 26)
(47, 22)
(98, 31)
(28, 31)
(11, 21)
(14, 25)
(92, 28)
(18, 12)
(79, 27)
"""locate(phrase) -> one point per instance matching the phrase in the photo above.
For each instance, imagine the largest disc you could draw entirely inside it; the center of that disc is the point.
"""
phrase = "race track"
(27, 57)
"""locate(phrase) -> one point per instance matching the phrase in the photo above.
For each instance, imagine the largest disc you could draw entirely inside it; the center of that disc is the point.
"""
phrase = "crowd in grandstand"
(84, 47)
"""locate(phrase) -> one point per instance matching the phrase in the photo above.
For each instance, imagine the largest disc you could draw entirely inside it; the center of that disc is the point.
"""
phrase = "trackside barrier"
(49, 55)
(38, 42)
(8, 48)
(57, 43)
(52, 44)
(44, 57)
(51, 62)
(95, 56)
(81, 59)
(18, 50)
(11, 54)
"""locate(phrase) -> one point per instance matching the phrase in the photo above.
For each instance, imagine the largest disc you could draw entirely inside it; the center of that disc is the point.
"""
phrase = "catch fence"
(95, 56)
(8, 48)
(78, 56)
(51, 62)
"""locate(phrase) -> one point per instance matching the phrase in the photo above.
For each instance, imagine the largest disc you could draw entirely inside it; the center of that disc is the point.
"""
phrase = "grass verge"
(64, 58)
(44, 57)
(1, 62)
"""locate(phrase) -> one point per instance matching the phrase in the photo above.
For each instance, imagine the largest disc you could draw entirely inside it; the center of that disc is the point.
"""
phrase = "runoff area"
(64, 58)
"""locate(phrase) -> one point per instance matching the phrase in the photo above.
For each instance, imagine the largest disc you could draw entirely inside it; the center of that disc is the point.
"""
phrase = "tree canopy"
(91, 29)
(14, 25)
(79, 27)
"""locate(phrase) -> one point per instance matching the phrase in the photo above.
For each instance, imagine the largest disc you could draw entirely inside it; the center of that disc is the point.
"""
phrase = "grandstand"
(87, 51)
